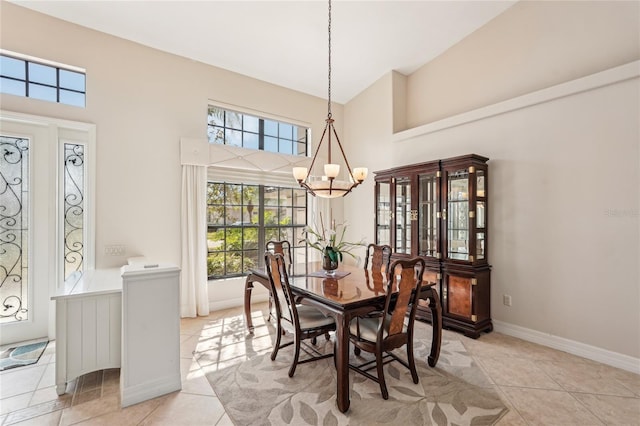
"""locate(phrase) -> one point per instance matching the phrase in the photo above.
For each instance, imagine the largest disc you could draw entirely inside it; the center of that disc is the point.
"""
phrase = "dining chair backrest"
(405, 277)
(380, 256)
(282, 247)
(280, 289)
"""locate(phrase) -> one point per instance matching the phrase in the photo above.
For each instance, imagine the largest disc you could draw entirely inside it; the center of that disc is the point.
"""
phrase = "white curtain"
(194, 295)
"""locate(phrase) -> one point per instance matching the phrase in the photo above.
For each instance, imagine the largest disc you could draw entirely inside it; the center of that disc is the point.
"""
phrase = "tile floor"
(541, 386)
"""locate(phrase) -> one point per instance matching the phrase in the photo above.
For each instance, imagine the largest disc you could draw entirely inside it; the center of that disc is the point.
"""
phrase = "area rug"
(456, 392)
(21, 355)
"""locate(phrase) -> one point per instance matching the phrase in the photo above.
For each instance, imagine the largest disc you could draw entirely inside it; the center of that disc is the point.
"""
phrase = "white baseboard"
(238, 301)
(150, 389)
(604, 356)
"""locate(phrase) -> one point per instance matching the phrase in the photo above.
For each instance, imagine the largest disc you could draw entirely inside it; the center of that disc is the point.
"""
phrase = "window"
(242, 218)
(22, 77)
(247, 131)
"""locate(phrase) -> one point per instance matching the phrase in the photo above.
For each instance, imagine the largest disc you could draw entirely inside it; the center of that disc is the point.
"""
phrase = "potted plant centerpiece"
(331, 243)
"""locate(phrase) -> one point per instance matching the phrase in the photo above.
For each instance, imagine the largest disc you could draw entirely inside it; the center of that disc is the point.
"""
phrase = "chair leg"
(296, 355)
(411, 361)
(276, 346)
(314, 341)
(380, 367)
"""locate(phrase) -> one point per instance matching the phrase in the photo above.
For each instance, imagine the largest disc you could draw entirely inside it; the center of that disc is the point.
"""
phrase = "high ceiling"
(286, 42)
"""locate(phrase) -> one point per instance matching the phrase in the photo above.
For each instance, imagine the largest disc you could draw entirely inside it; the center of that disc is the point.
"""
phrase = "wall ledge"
(593, 81)
(604, 356)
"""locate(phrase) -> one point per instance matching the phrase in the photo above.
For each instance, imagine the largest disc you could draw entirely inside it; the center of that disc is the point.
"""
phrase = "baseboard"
(594, 353)
(148, 390)
(238, 301)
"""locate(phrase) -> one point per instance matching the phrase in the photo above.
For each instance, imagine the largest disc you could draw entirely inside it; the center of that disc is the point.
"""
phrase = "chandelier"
(328, 184)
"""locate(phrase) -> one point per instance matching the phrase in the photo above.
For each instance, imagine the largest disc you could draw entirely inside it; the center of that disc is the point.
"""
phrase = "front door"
(46, 227)
(25, 231)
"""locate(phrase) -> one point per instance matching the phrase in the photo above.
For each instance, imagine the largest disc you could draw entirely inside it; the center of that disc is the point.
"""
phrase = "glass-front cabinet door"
(465, 212)
(383, 212)
(429, 214)
(404, 214)
(457, 215)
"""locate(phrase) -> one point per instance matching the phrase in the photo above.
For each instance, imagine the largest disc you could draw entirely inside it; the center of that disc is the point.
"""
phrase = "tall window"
(242, 218)
(247, 131)
(42, 81)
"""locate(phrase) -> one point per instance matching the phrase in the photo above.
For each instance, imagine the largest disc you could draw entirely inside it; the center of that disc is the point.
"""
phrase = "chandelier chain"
(329, 76)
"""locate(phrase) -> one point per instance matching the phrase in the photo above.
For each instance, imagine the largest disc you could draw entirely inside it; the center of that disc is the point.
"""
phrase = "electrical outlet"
(115, 250)
(506, 300)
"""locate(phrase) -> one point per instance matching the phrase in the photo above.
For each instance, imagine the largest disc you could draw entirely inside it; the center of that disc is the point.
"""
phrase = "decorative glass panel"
(73, 208)
(480, 244)
(403, 216)
(14, 229)
(458, 215)
(384, 214)
(428, 228)
(480, 191)
(480, 214)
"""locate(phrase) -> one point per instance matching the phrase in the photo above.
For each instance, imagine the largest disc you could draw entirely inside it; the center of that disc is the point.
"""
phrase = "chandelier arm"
(326, 126)
(344, 156)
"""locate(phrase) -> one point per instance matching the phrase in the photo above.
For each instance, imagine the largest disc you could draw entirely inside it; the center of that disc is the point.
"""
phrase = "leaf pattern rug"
(455, 392)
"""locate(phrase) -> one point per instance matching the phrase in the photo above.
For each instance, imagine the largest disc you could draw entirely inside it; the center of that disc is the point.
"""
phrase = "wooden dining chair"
(304, 321)
(381, 332)
(284, 248)
(380, 256)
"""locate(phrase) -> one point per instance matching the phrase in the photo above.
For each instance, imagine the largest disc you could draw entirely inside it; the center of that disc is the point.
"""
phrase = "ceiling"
(286, 42)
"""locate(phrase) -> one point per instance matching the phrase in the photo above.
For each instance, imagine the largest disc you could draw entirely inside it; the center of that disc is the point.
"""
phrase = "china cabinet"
(438, 210)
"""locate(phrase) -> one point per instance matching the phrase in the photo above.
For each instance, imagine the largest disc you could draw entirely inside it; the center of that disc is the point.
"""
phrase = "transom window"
(22, 77)
(242, 218)
(238, 129)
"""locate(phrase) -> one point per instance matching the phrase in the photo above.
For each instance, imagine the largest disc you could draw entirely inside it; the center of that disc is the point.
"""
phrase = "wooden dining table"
(351, 292)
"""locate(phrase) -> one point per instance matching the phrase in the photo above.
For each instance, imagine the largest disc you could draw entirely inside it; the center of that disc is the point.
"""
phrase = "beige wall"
(142, 102)
(531, 46)
(558, 169)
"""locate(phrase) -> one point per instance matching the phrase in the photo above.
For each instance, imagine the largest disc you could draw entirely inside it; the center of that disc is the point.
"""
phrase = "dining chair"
(380, 256)
(304, 321)
(284, 248)
(381, 332)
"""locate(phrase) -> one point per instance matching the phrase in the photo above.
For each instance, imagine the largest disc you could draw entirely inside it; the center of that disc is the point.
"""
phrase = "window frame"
(31, 84)
(291, 231)
(230, 129)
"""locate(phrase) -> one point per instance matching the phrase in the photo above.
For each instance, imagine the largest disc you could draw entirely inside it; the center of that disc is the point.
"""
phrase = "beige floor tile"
(545, 407)
(188, 345)
(20, 380)
(49, 377)
(512, 418)
(192, 326)
(516, 372)
(193, 379)
(36, 411)
(97, 407)
(225, 421)
(585, 376)
(49, 419)
(612, 410)
(128, 416)
(48, 394)
(186, 409)
(14, 403)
